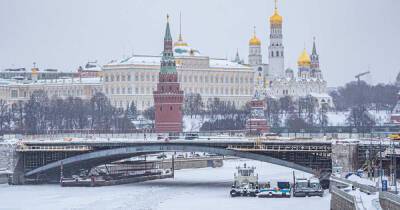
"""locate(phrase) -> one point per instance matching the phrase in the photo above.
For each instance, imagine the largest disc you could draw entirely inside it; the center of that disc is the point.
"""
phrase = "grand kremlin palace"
(135, 78)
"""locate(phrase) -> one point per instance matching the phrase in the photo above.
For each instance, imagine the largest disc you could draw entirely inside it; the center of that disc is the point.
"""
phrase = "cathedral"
(273, 80)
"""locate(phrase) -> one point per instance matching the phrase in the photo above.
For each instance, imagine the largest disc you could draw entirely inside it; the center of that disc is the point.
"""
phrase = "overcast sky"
(352, 35)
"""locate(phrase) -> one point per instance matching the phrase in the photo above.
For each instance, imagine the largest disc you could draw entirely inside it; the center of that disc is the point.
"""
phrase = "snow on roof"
(83, 80)
(139, 60)
(224, 63)
(155, 61)
(320, 95)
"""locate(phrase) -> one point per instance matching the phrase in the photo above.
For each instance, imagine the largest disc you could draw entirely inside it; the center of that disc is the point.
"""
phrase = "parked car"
(315, 188)
(191, 136)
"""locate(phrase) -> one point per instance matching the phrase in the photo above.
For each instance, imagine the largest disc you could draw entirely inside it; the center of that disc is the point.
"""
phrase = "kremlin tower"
(168, 98)
(314, 66)
(275, 48)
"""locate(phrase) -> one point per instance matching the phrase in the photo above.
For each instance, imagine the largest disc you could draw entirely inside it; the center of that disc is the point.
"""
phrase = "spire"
(180, 41)
(180, 27)
(237, 57)
(167, 31)
(314, 49)
(168, 60)
(276, 7)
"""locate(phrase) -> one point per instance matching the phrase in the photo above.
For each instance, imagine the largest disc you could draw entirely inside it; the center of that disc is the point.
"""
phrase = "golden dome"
(275, 18)
(304, 59)
(35, 71)
(254, 41)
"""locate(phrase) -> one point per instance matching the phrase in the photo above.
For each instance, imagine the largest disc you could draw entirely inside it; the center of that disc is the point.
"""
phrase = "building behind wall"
(135, 78)
(14, 91)
(278, 82)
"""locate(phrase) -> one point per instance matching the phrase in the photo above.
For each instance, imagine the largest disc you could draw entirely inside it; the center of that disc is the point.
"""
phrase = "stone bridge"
(38, 159)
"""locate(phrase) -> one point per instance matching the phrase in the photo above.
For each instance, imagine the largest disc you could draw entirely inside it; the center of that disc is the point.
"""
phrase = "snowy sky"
(352, 36)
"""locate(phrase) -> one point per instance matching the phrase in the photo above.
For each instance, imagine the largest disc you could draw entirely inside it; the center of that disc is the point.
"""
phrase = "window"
(129, 77)
(14, 93)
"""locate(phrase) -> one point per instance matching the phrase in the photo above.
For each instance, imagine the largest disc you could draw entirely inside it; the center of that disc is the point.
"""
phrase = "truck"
(245, 182)
(307, 187)
(300, 188)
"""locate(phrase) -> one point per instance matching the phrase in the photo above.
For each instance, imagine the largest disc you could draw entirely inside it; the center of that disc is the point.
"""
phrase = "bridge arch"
(130, 151)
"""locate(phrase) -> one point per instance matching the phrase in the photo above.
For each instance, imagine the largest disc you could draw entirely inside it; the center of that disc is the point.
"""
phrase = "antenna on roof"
(180, 26)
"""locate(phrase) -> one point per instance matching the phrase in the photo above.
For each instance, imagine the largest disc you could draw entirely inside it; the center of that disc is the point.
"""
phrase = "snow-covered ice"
(194, 189)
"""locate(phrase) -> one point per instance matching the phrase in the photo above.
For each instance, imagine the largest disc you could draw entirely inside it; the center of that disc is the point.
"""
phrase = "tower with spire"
(275, 48)
(255, 57)
(315, 70)
(168, 98)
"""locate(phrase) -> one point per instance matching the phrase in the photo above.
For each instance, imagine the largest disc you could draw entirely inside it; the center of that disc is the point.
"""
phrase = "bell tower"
(275, 48)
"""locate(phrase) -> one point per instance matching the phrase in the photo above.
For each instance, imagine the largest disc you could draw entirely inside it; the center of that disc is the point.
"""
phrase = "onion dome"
(254, 41)
(275, 18)
(304, 59)
(35, 71)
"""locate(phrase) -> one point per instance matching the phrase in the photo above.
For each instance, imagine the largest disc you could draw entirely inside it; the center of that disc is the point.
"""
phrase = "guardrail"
(363, 188)
(389, 200)
(342, 200)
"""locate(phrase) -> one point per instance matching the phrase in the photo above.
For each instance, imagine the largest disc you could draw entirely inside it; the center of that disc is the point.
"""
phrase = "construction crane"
(360, 75)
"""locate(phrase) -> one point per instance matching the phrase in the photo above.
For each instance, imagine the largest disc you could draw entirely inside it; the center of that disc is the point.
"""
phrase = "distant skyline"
(352, 36)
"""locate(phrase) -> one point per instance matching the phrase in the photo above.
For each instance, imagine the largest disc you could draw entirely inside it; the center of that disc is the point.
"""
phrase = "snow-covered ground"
(339, 118)
(194, 189)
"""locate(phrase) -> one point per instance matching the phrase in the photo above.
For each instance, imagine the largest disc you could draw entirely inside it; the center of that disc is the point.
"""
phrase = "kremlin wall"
(136, 78)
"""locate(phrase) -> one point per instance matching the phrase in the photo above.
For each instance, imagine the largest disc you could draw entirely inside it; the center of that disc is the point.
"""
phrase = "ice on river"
(193, 189)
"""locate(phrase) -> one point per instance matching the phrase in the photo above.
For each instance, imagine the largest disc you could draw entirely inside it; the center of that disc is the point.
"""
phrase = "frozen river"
(191, 189)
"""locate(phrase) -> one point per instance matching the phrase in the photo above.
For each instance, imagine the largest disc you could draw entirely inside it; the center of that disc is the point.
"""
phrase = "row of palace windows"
(149, 90)
(216, 79)
(190, 78)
